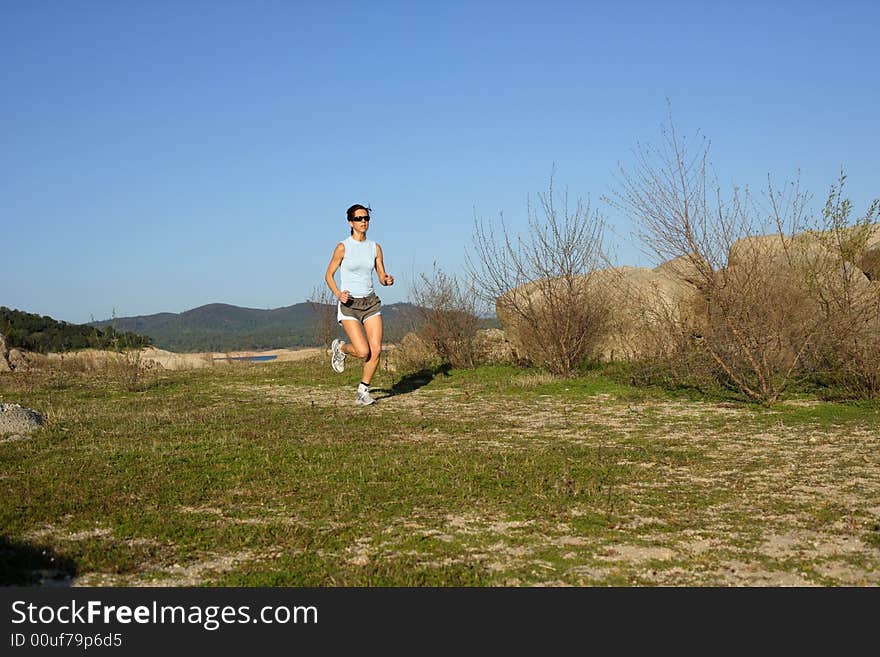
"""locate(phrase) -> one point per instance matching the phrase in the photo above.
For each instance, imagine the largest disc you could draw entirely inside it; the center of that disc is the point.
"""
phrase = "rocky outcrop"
(798, 251)
(809, 266)
(857, 245)
(492, 347)
(414, 353)
(638, 302)
(643, 303)
(688, 269)
(650, 308)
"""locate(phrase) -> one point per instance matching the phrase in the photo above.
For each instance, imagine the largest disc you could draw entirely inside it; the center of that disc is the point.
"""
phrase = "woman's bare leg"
(373, 327)
(357, 344)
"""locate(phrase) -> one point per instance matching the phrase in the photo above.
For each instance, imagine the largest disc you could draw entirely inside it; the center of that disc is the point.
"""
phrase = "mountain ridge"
(226, 327)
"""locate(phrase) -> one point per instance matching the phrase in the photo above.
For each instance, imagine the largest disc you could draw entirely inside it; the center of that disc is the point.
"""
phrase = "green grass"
(267, 475)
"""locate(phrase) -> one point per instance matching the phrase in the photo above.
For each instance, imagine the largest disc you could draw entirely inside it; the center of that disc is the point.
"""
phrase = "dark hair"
(357, 206)
(349, 214)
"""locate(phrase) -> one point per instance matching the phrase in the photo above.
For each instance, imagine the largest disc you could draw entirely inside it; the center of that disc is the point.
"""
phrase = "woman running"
(359, 310)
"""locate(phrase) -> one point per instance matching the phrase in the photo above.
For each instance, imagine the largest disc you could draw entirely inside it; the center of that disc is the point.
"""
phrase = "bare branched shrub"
(447, 314)
(752, 272)
(554, 313)
(323, 305)
(850, 359)
(849, 300)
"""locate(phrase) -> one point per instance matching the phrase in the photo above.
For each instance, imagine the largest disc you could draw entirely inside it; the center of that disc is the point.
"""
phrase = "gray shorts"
(359, 309)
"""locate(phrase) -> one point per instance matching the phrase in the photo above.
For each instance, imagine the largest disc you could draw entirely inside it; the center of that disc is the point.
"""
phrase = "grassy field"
(267, 475)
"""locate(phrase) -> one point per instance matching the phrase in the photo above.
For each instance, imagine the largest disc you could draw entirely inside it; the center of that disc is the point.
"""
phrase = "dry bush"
(125, 367)
(755, 276)
(447, 316)
(543, 287)
(557, 323)
(850, 360)
(129, 369)
(323, 304)
(759, 328)
(848, 297)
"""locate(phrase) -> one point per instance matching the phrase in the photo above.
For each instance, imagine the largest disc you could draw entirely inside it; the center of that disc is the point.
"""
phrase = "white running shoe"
(364, 399)
(337, 358)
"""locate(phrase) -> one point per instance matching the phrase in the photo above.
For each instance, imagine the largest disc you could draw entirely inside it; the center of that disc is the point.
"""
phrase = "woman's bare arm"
(335, 261)
(384, 277)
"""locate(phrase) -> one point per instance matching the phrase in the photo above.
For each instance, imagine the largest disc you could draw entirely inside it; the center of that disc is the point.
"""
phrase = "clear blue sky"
(157, 156)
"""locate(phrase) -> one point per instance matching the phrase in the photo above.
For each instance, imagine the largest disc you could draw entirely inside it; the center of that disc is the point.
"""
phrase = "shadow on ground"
(23, 564)
(412, 382)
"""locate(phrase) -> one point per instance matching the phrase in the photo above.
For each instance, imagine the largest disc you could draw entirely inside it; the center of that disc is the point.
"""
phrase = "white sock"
(363, 388)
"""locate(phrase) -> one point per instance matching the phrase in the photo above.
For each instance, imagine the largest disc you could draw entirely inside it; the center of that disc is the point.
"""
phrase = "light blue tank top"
(356, 271)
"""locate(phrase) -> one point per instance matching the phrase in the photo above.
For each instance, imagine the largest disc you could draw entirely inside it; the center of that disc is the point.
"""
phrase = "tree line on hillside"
(222, 327)
(200, 340)
(43, 334)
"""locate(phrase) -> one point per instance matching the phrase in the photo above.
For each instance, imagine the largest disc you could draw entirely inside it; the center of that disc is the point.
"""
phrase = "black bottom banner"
(154, 621)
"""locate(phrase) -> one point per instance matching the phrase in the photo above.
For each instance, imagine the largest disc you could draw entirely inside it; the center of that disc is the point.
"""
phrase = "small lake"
(254, 358)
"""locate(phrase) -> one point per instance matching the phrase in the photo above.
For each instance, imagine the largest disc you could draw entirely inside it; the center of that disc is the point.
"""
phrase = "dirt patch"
(192, 574)
(637, 553)
(257, 516)
(53, 533)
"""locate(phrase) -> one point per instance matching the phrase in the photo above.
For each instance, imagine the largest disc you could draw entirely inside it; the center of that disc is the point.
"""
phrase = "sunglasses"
(367, 219)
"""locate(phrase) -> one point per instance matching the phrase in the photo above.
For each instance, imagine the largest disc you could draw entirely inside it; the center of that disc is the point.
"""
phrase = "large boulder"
(690, 269)
(759, 250)
(859, 245)
(645, 305)
(811, 266)
(413, 353)
(492, 347)
(650, 310)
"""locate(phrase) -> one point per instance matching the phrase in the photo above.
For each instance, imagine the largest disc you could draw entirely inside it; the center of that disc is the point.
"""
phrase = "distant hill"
(43, 334)
(223, 327)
